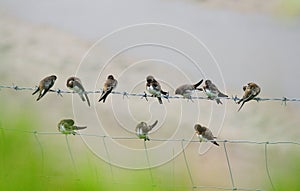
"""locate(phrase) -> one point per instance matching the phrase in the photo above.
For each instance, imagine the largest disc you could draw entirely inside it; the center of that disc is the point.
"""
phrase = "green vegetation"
(30, 161)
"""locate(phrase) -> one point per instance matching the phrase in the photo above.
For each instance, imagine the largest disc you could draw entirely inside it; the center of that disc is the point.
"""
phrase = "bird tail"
(36, 91)
(79, 128)
(159, 100)
(240, 101)
(218, 101)
(215, 142)
(104, 95)
(87, 99)
(241, 106)
(222, 95)
(198, 84)
(81, 96)
(154, 124)
(41, 94)
(163, 92)
(84, 97)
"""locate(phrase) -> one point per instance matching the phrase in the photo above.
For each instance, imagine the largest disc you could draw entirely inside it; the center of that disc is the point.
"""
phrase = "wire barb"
(145, 96)
(125, 94)
(284, 100)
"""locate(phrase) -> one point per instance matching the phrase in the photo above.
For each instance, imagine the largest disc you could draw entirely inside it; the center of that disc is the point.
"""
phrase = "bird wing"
(156, 86)
(213, 88)
(208, 135)
(198, 84)
(69, 121)
(79, 85)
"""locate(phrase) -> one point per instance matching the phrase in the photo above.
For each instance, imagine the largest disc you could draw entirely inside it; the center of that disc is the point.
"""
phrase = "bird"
(204, 133)
(212, 91)
(75, 84)
(251, 90)
(142, 130)
(44, 86)
(110, 84)
(187, 90)
(66, 126)
(154, 88)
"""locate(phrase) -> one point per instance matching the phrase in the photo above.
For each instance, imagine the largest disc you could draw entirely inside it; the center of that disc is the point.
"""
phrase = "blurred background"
(247, 41)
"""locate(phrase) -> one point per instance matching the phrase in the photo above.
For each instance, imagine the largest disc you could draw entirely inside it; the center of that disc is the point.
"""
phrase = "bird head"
(111, 77)
(70, 82)
(207, 82)
(150, 79)
(53, 77)
(199, 129)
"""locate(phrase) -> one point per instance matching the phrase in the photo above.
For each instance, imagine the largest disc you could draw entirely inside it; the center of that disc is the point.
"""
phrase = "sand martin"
(110, 84)
(250, 92)
(66, 126)
(154, 88)
(187, 90)
(204, 133)
(75, 84)
(212, 91)
(142, 130)
(44, 86)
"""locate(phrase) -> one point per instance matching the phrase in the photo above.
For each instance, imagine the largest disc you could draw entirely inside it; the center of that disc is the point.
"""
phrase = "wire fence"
(194, 186)
(284, 100)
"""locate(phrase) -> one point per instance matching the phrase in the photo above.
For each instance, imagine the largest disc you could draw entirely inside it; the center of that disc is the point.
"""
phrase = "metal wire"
(156, 185)
(284, 100)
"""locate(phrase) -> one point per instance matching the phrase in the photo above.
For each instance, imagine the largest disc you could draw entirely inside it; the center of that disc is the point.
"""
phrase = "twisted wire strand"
(284, 100)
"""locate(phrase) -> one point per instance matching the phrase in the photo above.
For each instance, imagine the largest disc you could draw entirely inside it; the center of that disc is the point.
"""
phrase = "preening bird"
(187, 90)
(251, 90)
(75, 84)
(66, 126)
(142, 130)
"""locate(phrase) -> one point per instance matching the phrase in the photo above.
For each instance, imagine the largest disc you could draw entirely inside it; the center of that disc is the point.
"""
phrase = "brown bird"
(187, 90)
(44, 86)
(212, 91)
(154, 88)
(142, 130)
(204, 133)
(110, 84)
(75, 84)
(251, 90)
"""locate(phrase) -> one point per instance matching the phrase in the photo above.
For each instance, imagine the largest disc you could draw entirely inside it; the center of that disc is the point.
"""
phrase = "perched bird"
(188, 89)
(154, 88)
(212, 91)
(110, 84)
(44, 86)
(75, 84)
(142, 130)
(250, 92)
(204, 133)
(66, 126)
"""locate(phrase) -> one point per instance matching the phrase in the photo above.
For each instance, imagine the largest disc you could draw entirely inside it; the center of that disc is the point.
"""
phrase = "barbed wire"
(36, 134)
(284, 100)
(153, 184)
